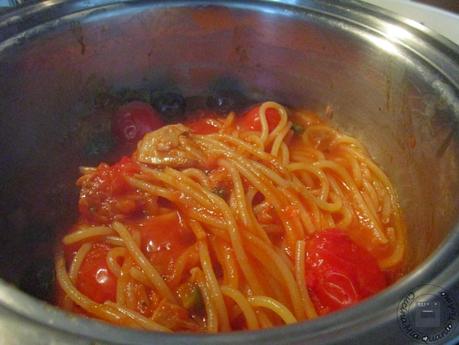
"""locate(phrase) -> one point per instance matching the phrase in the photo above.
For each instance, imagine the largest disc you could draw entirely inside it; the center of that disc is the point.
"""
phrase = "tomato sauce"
(339, 270)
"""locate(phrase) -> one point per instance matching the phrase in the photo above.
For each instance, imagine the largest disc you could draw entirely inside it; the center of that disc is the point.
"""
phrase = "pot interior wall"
(379, 92)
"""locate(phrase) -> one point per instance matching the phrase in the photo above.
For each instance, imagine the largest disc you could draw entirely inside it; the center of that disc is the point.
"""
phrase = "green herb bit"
(192, 300)
(297, 128)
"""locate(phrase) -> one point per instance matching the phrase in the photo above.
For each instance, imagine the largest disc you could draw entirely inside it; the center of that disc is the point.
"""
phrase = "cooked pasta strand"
(211, 225)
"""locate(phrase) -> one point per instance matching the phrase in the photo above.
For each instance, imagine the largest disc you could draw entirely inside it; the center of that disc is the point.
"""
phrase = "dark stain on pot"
(227, 94)
(242, 54)
(170, 104)
(448, 140)
(38, 279)
(223, 101)
(80, 40)
(78, 32)
(99, 144)
(41, 233)
(36, 274)
(388, 91)
(442, 125)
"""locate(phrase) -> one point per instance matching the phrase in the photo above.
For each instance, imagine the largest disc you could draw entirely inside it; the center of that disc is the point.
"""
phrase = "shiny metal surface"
(391, 83)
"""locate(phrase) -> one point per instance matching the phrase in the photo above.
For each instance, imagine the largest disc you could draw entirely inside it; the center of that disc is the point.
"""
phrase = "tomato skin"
(94, 279)
(104, 195)
(163, 238)
(204, 125)
(133, 120)
(251, 119)
(112, 180)
(339, 273)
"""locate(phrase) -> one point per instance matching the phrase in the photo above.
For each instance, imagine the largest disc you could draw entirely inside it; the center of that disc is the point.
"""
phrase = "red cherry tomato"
(251, 119)
(163, 239)
(94, 279)
(204, 125)
(133, 120)
(110, 179)
(339, 273)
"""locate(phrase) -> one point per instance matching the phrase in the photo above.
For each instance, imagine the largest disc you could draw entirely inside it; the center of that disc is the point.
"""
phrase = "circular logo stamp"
(428, 314)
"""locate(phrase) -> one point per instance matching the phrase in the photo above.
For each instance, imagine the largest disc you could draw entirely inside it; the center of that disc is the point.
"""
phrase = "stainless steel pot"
(391, 82)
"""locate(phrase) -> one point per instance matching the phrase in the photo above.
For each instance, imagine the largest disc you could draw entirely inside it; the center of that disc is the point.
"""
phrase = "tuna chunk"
(170, 146)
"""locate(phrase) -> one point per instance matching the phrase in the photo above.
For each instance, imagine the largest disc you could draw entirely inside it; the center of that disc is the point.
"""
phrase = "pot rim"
(377, 311)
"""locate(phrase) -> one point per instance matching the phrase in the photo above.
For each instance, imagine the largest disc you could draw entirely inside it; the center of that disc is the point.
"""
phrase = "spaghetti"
(241, 222)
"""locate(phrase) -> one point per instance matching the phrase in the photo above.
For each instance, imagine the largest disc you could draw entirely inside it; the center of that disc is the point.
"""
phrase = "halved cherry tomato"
(339, 273)
(94, 279)
(163, 239)
(110, 179)
(251, 119)
(133, 120)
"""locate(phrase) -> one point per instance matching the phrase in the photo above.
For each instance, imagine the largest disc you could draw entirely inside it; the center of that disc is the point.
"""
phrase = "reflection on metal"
(395, 32)
(383, 44)
(415, 24)
(392, 34)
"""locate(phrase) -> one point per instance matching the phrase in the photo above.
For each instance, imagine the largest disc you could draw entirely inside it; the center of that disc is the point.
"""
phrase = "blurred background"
(452, 5)
(439, 15)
